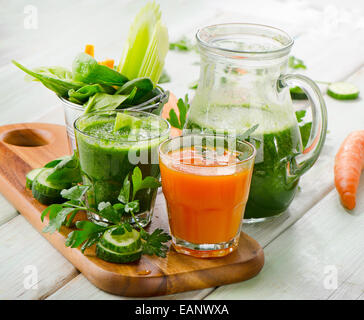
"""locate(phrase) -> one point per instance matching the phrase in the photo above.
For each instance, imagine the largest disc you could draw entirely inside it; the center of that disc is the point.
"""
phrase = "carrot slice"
(349, 162)
(90, 50)
(108, 62)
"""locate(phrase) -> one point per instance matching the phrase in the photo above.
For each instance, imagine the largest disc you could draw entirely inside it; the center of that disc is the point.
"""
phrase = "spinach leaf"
(86, 69)
(104, 101)
(55, 82)
(144, 84)
(87, 91)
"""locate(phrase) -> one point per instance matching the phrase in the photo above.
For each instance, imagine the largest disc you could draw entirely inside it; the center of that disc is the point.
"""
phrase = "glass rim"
(146, 105)
(164, 133)
(240, 162)
(206, 44)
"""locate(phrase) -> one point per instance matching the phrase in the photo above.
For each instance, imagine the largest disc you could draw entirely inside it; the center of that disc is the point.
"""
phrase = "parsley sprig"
(119, 214)
(183, 107)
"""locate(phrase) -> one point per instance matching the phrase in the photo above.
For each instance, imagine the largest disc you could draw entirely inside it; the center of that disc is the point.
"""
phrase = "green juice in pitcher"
(243, 83)
(277, 140)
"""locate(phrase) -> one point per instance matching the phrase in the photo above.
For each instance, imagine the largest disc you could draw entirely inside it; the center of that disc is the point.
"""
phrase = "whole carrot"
(349, 162)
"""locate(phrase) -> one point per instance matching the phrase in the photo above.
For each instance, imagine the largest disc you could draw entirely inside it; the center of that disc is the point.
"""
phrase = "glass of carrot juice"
(206, 181)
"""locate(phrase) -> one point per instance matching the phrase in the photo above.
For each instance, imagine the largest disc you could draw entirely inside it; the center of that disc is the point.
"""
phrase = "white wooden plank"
(299, 262)
(7, 211)
(22, 247)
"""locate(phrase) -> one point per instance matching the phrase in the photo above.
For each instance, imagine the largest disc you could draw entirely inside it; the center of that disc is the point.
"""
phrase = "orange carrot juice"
(206, 189)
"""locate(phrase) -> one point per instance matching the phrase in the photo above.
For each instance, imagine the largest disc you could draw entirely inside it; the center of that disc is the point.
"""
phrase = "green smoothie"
(107, 155)
(277, 140)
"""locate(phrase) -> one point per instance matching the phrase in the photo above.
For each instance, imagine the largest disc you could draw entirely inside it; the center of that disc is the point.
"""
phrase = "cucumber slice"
(297, 93)
(342, 91)
(53, 163)
(30, 177)
(46, 192)
(121, 243)
(124, 120)
(112, 256)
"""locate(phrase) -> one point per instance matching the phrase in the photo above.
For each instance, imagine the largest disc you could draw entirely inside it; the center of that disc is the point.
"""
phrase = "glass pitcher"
(243, 84)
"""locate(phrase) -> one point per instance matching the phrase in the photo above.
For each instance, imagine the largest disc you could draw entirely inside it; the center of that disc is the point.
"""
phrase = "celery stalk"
(147, 45)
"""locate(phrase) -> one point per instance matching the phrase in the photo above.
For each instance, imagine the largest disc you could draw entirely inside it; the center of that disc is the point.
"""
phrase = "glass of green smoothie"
(110, 145)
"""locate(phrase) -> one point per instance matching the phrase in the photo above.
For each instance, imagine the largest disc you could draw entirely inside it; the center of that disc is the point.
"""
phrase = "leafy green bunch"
(89, 233)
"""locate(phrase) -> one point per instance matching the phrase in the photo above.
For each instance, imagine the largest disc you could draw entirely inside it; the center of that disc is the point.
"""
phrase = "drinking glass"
(105, 160)
(205, 181)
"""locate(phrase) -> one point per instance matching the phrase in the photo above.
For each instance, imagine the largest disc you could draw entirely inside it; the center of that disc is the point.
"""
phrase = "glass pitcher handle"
(317, 137)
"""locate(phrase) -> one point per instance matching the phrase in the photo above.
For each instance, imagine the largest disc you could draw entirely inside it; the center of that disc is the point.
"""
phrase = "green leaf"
(164, 78)
(154, 243)
(67, 171)
(125, 191)
(295, 63)
(139, 183)
(118, 231)
(88, 230)
(55, 222)
(83, 94)
(150, 182)
(183, 107)
(53, 210)
(173, 119)
(104, 101)
(182, 44)
(86, 69)
(300, 115)
(247, 133)
(54, 82)
(54, 72)
(107, 211)
(305, 132)
(75, 193)
(132, 207)
(144, 84)
(136, 179)
(193, 85)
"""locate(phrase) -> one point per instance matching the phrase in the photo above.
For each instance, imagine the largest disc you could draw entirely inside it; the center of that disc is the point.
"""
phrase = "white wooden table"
(305, 248)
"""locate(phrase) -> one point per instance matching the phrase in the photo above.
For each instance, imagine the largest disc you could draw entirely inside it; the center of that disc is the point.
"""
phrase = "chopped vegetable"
(349, 162)
(90, 50)
(343, 91)
(124, 120)
(147, 45)
(108, 62)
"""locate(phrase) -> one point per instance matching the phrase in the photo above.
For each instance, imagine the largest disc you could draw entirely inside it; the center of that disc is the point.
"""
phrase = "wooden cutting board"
(30, 145)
